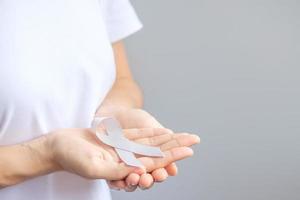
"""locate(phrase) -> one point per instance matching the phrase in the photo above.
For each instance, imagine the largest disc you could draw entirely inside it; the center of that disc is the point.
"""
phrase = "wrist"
(49, 152)
(110, 110)
(41, 153)
(26, 160)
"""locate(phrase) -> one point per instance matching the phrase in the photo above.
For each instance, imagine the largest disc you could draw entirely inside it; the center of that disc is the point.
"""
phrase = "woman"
(61, 63)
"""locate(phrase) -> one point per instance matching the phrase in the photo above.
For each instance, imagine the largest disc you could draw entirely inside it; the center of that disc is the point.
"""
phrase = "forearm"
(125, 93)
(24, 161)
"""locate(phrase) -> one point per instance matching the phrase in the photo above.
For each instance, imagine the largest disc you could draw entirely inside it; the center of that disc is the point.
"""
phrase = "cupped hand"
(79, 151)
(137, 118)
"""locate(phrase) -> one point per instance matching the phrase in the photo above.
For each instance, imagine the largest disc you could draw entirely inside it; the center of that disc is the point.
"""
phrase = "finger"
(171, 155)
(155, 140)
(172, 169)
(112, 185)
(130, 188)
(180, 140)
(117, 185)
(132, 180)
(114, 171)
(146, 181)
(134, 134)
(172, 140)
(159, 175)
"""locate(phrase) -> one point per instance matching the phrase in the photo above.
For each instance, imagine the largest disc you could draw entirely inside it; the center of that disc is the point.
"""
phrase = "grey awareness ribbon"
(125, 148)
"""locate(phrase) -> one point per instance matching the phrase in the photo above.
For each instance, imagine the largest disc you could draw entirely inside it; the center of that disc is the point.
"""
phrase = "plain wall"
(230, 72)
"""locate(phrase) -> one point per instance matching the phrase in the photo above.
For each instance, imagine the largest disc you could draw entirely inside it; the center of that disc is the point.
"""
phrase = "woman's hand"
(79, 151)
(137, 118)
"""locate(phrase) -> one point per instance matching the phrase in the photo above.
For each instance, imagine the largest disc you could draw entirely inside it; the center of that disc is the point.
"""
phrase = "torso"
(56, 66)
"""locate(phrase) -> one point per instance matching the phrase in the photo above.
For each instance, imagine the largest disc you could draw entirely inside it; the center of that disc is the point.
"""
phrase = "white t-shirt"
(56, 67)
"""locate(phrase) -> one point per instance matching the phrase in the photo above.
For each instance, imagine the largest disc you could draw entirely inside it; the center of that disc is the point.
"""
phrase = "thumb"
(118, 171)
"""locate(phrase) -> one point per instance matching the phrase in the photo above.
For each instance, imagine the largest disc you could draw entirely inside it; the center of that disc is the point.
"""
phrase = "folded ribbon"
(125, 148)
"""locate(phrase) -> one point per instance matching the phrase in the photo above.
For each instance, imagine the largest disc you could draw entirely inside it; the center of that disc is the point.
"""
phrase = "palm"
(172, 145)
(137, 118)
(147, 136)
(85, 151)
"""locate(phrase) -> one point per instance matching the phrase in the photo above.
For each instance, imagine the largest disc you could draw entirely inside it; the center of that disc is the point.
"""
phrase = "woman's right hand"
(79, 151)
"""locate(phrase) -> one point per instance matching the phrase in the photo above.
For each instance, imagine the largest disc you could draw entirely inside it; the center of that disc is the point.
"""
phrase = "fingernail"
(146, 188)
(131, 185)
(197, 138)
(143, 188)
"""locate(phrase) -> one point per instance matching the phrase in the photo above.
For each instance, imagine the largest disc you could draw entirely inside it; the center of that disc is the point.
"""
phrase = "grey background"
(228, 71)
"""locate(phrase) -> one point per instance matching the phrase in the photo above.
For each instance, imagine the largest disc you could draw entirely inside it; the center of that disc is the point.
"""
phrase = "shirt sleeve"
(120, 19)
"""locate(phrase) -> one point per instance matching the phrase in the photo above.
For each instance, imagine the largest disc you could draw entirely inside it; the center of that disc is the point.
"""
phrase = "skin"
(80, 152)
(141, 119)
(126, 107)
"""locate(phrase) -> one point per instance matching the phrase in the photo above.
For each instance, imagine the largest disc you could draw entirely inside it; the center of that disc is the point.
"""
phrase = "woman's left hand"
(138, 118)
